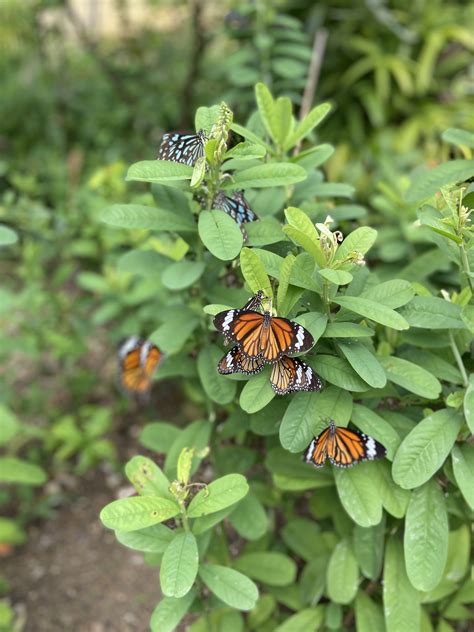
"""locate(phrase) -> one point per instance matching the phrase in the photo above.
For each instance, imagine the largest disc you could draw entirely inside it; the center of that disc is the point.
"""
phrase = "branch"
(198, 45)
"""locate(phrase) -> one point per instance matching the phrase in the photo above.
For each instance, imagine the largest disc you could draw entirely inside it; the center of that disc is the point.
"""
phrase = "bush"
(380, 544)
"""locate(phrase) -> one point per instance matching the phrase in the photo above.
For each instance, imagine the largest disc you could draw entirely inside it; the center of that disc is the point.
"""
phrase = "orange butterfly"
(343, 447)
(138, 361)
(263, 335)
(288, 374)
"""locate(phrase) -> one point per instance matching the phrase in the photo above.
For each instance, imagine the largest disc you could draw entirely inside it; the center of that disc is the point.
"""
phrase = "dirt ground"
(73, 576)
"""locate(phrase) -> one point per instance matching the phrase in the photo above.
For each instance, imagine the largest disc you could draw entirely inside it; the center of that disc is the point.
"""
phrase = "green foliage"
(409, 391)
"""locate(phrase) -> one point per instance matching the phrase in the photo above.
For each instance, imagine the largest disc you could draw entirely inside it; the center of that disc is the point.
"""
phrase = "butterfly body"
(343, 447)
(138, 361)
(183, 148)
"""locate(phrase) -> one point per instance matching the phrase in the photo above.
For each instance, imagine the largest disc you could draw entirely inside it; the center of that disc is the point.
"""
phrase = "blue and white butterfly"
(183, 148)
(236, 206)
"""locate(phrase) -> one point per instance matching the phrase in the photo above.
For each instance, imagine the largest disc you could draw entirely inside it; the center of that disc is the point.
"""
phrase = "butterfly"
(288, 374)
(138, 361)
(343, 447)
(263, 335)
(184, 148)
(236, 206)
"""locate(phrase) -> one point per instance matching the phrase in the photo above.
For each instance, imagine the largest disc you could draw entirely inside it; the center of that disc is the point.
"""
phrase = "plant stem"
(465, 265)
(326, 301)
(458, 358)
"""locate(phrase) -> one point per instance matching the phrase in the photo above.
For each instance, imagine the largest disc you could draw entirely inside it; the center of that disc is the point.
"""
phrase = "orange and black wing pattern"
(138, 361)
(343, 447)
(292, 374)
(261, 335)
(234, 362)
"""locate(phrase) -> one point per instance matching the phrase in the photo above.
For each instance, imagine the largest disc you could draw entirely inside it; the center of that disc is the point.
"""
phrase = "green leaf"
(265, 232)
(463, 468)
(146, 263)
(369, 548)
(160, 171)
(254, 273)
(369, 615)
(245, 151)
(285, 273)
(229, 586)
(394, 498)
(11, 533)
(257, 393)
(364, 363)
(360, 240)
(359, 493)
(182, 274)
(218, 495)
(217, 387)
(283, 119)
(169, 612)
(342, 574)
(332, 403)
(249, 518)
(206, 117)
(468, 404)
(147, 477)
(9, 425)
(246, 133)
(338, 277)
(266, 108)
(430, 182)
(13, 470)
(401, 600)
(314, 157)
(315, 116)
(303, 232)
(347, 330)
(314, 322)
(459, 137)
(430, 312)
(304, 621)
(195, 435)
(394, 293)
(339, 372)
(297, 426)
(373, 311)
(7, 236)
(426, 536)
(411, 377)
(153, 539)
(271, 568)
(158, 436)
(179, 565)
(149, 217)
(271, 174)
(425, 448)
(220, 234)
(137, 512)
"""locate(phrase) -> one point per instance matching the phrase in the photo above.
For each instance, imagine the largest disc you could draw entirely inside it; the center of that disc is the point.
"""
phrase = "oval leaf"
(179, 565)
(220, 234)
(221, 493)
(137, 512)
(342, 574)
(274, 569)
(229, 586)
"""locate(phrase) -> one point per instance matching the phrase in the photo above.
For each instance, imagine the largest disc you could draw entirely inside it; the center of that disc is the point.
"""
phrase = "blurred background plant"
(89, 87)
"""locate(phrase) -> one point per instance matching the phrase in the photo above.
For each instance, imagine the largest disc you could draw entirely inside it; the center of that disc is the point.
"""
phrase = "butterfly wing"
(316, 452)
(243, 327)
(254, 302)
(285, 336)
(352, 446)
(236, 206)
(138, 360)
(183, 148)
(234, 362)
(292, 374)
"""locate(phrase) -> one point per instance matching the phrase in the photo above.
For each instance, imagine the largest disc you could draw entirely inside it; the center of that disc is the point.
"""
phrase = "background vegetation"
(78, 108)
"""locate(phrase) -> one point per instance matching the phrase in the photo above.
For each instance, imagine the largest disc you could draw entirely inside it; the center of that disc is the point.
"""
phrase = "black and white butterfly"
(183, 148)
(236, 206)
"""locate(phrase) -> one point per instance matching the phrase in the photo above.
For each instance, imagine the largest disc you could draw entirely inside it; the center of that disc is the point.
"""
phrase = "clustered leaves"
(384, 543)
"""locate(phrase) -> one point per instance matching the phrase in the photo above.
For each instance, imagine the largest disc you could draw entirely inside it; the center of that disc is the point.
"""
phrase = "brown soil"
(73, 576)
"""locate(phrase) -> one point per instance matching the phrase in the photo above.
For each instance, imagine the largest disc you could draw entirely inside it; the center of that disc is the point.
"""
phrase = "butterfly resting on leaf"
(183, 148)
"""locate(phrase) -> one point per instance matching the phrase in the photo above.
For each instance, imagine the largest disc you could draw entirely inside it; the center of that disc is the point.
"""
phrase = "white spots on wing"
(299, 338)
(228, 319)
(144, 352)
(309, 374)
(371, 448)
(229, 359)
(299, 374)
(128, 346)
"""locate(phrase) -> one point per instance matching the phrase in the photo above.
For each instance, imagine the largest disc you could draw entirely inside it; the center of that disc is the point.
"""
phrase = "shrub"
(382, 544)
